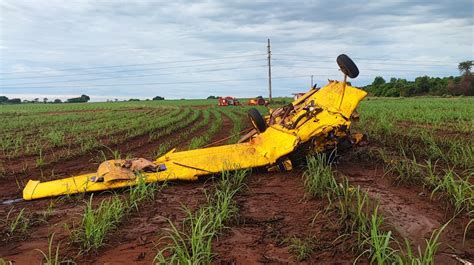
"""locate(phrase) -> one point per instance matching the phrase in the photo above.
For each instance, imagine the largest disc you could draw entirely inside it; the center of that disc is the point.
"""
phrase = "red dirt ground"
(272, 210)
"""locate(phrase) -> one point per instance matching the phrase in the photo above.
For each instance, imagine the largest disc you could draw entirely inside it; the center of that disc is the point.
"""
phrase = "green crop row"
(428, 128)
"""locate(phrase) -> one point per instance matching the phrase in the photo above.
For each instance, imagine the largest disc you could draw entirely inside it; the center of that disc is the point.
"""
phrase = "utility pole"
(312, 81)
(269, 72)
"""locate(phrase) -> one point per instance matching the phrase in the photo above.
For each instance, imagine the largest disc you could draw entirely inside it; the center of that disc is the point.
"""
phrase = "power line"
(133, 65)
(373, 62)
(131, 70)
(163, 83)
(361, 68)
(134, 76)
(193, 65)
(371, 59)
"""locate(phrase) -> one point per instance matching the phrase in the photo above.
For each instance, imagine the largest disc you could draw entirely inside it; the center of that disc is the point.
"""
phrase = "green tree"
(82, 98)
(465, 67)
(422, 84)
(3, 99)
(14, 101)
(378, 81)
(85, 98)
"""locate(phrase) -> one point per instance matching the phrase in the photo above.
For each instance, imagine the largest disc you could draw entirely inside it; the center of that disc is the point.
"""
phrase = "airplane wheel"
(257, 120)
(347, 66)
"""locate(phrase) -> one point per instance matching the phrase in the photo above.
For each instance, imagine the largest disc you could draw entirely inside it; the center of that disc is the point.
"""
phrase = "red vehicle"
(258, 101)
(228, 101)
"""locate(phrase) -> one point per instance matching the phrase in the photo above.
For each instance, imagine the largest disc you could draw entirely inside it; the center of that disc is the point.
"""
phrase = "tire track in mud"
(409, 210)
(272, 210)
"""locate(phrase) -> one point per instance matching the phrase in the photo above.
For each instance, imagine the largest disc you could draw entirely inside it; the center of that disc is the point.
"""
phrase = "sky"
(192, 49)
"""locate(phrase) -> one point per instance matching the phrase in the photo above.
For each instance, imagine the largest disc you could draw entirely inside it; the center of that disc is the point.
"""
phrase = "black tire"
(257, 120)
(347, 66)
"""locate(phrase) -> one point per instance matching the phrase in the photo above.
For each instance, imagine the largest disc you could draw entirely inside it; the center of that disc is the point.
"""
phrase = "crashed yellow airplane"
(316, 122)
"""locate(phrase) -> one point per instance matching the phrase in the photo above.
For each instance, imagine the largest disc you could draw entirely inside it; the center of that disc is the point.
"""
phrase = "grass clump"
(460, 192)
(425, 257)
(318, 179)
(142, 191)
(52, 257)
(96, 223)
(301, 248)
(379, 241)
(193, 243)
(447, 183)
(17, 224)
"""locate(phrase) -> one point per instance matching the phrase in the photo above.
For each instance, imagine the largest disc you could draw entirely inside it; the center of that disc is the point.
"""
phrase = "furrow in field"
(97, 145)
(224, 131)
(80, 164)
(78, 135)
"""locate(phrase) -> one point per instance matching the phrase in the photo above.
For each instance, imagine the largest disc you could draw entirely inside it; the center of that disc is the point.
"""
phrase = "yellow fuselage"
(336, 102)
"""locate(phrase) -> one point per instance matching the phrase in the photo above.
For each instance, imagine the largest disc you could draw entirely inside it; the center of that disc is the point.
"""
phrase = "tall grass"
(96, 223)
(142, 192)
(445, 182)
(193, 243)
(318, 179)
(379, 242)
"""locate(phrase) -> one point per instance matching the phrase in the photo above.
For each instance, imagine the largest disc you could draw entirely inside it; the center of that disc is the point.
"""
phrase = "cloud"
(52, 38)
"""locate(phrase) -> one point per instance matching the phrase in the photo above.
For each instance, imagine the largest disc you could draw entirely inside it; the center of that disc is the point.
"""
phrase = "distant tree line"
(81, 99)
(425, 85)
(6, 100)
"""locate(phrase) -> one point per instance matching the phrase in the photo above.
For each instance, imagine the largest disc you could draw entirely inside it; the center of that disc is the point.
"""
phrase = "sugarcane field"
(209, 132)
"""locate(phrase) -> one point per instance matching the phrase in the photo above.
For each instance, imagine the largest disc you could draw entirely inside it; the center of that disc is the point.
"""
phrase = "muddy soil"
(136, 240)
(410, 210)
(272, 210)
